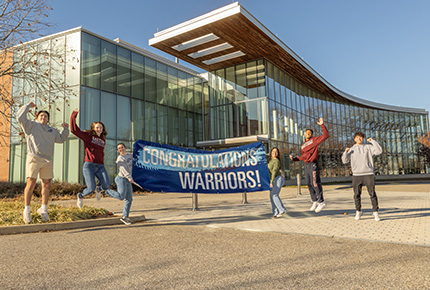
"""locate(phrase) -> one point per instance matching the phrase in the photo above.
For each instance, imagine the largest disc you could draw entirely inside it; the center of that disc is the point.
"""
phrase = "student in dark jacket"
(309, 154)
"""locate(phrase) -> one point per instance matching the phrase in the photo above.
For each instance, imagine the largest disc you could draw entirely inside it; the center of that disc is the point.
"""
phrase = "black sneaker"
(126, 220)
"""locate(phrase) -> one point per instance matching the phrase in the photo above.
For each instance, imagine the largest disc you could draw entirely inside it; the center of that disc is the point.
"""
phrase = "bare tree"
(30, 70)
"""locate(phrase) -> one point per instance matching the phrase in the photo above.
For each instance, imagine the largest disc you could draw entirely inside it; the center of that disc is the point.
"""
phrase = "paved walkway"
(404, 212)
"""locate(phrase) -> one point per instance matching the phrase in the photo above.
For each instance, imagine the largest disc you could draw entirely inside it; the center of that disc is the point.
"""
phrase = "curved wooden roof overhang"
(231, 35)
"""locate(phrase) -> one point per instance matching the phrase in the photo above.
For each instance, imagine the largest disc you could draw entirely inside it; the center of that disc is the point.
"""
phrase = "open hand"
(320, 121)
(291, 157)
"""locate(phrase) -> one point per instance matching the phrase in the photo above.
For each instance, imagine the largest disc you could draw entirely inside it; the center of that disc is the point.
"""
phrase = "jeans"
(125, 190)
(277, 205)
(369, 182)
(91, 171)
(313, 179)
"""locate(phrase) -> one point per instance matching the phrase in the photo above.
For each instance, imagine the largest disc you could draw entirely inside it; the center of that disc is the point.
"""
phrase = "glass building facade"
(139, 95)
(257, 98)
(135, 95)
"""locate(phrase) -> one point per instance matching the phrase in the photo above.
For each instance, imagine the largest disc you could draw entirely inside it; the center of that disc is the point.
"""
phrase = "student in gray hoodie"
(40, 139)
(361, 157)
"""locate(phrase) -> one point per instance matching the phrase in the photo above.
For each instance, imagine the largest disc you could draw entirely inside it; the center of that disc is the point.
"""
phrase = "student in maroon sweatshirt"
(309, 154)
(94, 144)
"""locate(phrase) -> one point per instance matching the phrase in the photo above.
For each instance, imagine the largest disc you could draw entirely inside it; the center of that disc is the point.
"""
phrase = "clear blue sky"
(377, 50)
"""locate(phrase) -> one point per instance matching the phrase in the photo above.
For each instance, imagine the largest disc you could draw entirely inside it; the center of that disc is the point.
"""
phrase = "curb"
(26, 229)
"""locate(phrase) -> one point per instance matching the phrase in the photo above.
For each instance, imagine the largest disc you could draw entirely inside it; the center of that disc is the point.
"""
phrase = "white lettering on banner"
(219, 181)
(157, 156)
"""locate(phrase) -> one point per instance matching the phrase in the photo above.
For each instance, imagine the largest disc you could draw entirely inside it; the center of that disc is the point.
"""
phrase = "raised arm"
(21, 116)
(376, 149)
(74, 127)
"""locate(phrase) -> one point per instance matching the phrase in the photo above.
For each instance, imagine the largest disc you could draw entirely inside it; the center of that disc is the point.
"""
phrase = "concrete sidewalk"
(404, 211)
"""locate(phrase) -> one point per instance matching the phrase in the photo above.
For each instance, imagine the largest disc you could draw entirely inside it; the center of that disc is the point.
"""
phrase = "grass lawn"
(11, 213)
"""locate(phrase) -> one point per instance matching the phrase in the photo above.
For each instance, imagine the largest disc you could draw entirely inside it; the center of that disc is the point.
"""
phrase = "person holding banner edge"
(276, 183)
(309, 154)
(124, 180)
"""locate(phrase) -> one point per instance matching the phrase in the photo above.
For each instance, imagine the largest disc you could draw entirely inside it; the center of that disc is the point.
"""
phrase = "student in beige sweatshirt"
(40, 139)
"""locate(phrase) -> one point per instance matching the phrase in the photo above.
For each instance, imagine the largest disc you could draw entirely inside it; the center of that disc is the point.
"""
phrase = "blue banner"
(166, 168)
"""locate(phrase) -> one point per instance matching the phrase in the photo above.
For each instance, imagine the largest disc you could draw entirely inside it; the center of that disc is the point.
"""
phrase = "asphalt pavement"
(229, 245)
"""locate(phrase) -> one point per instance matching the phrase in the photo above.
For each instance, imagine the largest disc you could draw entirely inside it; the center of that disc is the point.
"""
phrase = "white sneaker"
(376, 215)
(26, 215)
(44, 214)
(79, 201)
(314, 206)
(126, 220)
(358, 215)
(98, 193)
(320, 206)
(280, 214)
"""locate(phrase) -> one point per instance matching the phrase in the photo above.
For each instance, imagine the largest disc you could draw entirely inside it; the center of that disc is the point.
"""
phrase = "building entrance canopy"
(231, 35)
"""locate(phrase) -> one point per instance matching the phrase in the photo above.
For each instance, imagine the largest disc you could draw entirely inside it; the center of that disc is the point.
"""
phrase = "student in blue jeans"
(124, 181)
(276, 183)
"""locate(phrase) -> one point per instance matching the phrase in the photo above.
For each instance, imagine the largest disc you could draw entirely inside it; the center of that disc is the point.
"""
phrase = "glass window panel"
(90, 107)
(252, 79)
(137, 120)
(150, 80)
(72, 166)
(173, 127)
(173, 86)
(137, 75)
(162, 96)
(108, 114)
(123, 120)
(73, 52)
(150, 122)
(108, 64)
(190, 93)
(162, 124)
(240, 82)
(90, 75)
(182, 82)
(57, 57)
(57, 161)
(124, 71)
(198, 97)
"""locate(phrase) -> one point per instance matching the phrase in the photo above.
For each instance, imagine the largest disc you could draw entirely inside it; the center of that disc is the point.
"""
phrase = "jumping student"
(361, 157)
(309, 154)
(40, 139)
(94, 144)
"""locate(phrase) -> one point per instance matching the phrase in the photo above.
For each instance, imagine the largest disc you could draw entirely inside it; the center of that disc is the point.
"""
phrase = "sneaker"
(376, 215)
(126, 220)
(26, 215)
(280, 214)
(358, 215)
(320, 206)
(44, 214)
(79, 201)
(314, 206)
(98, 193)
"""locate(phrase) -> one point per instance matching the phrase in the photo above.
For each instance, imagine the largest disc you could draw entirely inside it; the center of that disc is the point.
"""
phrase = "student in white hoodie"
(40, 139)
(124, 181)
(361, 157)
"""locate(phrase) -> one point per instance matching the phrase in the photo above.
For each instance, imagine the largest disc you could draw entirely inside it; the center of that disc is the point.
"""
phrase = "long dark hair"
(279, 154)
(92, 130)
